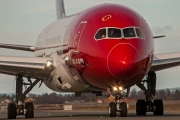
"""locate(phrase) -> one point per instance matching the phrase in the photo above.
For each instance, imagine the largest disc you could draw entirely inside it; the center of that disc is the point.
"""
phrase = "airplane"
(108, 47)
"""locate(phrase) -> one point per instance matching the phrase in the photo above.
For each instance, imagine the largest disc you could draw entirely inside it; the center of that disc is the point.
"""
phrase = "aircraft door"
(76, 55)
(78, 35)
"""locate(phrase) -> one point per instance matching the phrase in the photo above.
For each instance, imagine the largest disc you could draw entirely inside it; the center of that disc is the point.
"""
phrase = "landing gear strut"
(19, 107)
(149, 104)
(117, 106)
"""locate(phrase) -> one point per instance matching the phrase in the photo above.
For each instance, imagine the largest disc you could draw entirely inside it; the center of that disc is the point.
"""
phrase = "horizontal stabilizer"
(155, 37)
(18, 47)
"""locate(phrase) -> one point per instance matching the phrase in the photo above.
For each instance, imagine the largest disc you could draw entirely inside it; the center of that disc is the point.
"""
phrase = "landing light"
(49, 63)
(115, 88)
(120, 88)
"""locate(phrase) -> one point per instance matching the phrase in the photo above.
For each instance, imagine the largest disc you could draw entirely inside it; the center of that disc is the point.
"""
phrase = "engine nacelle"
(62, 80)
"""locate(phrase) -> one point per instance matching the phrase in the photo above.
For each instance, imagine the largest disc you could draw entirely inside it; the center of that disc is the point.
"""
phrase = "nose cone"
(123, 61)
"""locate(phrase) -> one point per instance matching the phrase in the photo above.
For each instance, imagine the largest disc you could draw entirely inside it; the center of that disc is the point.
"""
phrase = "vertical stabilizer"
(60, 9)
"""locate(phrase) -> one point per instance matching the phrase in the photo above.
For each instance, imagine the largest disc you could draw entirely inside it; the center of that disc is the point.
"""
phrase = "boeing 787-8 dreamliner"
(108, 47)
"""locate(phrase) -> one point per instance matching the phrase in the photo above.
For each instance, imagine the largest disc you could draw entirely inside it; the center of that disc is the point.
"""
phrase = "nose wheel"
(117, 106)
(112, 109)
(123, 107)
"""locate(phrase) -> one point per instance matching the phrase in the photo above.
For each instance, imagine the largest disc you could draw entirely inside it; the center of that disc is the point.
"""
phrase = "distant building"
(4, 104)
(99, 101)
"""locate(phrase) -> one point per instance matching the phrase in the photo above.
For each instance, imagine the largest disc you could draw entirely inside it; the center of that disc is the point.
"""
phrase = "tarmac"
(93, 115)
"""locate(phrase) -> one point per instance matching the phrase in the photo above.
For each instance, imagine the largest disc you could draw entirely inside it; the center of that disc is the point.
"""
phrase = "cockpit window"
(101, 34)
(129, 32)
(139, 33)
(114, 33)
(117, 33)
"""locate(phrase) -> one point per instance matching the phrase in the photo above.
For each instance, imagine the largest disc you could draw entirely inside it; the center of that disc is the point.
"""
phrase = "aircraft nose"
(123, 61)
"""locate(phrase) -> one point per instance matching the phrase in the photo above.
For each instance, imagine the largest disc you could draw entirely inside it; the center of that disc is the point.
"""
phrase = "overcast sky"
(21, 21)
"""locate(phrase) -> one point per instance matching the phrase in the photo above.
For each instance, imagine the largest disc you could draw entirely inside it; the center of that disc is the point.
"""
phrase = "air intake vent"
(60, 80)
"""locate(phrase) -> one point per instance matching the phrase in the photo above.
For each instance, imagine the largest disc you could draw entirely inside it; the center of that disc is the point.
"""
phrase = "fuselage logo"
(107, 17)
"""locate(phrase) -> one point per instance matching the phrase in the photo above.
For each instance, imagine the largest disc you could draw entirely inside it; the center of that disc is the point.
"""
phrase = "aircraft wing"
(34, 67)
(18, 47)
(165, 61)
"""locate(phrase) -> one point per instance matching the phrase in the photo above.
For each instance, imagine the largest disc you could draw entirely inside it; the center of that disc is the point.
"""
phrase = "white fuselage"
(51, 43)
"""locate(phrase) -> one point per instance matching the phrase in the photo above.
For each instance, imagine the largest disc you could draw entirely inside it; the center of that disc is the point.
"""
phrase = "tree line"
(165, 94)
(57, 98)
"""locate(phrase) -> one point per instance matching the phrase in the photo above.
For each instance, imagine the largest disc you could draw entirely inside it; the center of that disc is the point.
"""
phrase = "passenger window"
(114, 33)
(139, 33)
(101, 34)
(129, 32)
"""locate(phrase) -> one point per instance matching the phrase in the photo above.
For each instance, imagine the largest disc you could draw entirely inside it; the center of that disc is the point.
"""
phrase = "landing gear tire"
(112, 109)
(141, 107)
(159, 109)
(11, 111)
(123, 111)
(29, 110)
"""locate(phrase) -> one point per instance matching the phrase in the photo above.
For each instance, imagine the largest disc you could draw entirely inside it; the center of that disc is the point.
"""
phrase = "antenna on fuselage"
(60, 9)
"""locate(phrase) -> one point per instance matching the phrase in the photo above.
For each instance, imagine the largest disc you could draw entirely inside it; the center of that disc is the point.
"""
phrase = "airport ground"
(93, 115)
(92, 111)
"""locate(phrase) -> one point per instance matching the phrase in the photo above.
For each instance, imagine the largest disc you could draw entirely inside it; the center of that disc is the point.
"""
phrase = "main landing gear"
(19, 107)
(149, 104)
(117, 106)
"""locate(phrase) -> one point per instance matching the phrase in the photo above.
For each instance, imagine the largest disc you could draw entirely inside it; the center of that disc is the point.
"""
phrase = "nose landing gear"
(117, 106)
